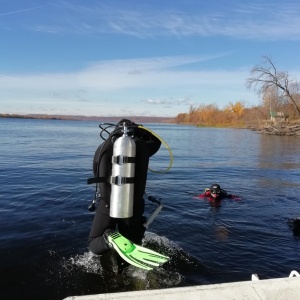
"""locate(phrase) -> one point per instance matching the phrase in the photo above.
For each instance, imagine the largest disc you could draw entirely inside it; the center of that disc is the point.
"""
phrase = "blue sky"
(150, 58)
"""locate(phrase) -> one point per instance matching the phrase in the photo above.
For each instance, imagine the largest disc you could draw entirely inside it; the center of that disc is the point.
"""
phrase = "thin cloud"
(158, 101)
(116, 74)
(166, 85)
(169, 101)
(244, 21)
(141, 65)
(21, 10)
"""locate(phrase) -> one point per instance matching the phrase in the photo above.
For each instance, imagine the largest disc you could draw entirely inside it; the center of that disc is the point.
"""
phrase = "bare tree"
(267, 77)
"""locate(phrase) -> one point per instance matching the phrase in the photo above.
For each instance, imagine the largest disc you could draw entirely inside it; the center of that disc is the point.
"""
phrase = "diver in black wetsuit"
(294, 224)
(132, 228)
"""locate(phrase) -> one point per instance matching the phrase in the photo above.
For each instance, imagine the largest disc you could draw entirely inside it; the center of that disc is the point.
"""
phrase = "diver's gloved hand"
(136, 255)
(105, 238)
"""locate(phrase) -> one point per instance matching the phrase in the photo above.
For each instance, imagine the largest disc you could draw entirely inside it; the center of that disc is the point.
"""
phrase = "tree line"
(279, 94)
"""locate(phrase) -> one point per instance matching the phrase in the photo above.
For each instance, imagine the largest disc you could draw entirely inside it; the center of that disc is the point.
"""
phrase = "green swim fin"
(136, 255)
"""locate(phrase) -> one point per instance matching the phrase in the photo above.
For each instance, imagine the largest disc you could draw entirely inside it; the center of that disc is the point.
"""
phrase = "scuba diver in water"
(120, 168)
(294, 224)
(215, 194)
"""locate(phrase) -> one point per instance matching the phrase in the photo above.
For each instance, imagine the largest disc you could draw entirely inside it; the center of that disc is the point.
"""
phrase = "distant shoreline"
(137, 119)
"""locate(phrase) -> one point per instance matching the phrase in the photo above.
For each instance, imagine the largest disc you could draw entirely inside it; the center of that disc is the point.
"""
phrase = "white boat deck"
(270, 289)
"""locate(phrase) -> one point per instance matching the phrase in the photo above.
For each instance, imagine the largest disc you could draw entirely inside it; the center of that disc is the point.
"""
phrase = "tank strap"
(97, 180)
(121, 160)
(119, 180)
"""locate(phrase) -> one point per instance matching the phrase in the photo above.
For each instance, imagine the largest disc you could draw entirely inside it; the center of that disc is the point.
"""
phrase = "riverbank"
(288, 129)
(270, 128)
(137, 119)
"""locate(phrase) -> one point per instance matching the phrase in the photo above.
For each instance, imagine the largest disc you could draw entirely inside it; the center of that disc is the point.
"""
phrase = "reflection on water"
(278, 163)
(222, 233)
(278, 152)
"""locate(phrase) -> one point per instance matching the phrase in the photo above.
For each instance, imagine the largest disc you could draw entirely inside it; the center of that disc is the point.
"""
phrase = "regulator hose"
(166, 145)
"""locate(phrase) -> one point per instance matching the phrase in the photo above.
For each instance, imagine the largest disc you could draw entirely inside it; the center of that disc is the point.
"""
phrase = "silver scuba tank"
(122, 177)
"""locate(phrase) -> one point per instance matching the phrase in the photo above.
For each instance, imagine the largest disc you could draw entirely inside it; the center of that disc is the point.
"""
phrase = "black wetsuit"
(132, 228)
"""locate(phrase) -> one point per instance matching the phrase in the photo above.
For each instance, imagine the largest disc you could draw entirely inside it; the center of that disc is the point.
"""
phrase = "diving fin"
(136, 255)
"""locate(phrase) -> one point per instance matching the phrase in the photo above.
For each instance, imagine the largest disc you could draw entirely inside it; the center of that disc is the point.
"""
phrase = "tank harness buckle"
(121, 160)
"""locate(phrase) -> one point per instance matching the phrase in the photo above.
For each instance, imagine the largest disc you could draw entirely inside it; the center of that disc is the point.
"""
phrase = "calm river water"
(45, 222)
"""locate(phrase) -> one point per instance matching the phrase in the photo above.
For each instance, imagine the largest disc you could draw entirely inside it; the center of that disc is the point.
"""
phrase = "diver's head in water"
(215, 191)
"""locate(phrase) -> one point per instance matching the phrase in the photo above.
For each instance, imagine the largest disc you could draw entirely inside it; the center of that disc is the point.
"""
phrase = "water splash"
(85, 270)
(87, 261)
(182, 268)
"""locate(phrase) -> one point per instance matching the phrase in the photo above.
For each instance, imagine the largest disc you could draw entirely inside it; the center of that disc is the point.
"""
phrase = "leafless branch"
(267, 76)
